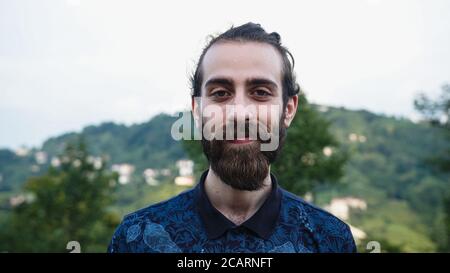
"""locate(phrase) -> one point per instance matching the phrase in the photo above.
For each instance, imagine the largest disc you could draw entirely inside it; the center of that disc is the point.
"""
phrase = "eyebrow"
(219, 81)
(248, 82)
(260, 81)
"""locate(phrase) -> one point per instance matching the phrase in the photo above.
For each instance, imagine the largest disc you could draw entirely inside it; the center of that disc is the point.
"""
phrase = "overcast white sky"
(68, 64)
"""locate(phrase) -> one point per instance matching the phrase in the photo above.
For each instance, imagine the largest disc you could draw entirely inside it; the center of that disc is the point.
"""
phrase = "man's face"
(242, 91)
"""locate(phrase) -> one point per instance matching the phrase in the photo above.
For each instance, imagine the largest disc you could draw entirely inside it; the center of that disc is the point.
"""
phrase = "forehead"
(242, 60)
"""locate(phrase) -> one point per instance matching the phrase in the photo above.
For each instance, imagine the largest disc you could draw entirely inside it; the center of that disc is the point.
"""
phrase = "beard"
(243, 167)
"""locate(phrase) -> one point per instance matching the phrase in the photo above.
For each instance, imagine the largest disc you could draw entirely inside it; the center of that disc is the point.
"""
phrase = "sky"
(66, 64)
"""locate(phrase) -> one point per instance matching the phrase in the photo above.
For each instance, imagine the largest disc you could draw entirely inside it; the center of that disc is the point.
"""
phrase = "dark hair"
(252, 32)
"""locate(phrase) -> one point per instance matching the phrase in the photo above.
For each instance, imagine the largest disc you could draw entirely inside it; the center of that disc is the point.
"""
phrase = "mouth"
(240, 141)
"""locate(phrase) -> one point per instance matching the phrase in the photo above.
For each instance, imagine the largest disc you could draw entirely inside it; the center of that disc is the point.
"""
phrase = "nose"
(240, 108)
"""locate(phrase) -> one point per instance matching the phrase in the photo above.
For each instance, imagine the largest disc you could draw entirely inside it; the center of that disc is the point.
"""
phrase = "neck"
(236, 205)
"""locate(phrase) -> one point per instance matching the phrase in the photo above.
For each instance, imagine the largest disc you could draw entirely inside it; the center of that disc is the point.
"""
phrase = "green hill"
(386, 170)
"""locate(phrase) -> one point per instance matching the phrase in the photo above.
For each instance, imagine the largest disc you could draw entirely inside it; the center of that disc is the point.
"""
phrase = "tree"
(437, 113)
(310, 157)
(68, 203)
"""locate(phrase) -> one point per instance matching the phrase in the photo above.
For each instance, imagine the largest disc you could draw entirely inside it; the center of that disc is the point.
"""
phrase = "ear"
(290, 110)
(196, 110)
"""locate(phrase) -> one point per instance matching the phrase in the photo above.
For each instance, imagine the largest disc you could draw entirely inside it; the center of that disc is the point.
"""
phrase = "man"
(238, 206)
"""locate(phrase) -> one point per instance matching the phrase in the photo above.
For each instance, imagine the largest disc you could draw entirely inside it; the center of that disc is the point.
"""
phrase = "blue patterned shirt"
(188, 222)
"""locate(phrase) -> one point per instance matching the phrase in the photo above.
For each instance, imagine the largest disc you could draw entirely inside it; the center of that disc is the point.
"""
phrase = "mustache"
(248, 130)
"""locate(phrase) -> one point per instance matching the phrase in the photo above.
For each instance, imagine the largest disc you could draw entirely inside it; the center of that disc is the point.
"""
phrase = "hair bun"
(276, 36)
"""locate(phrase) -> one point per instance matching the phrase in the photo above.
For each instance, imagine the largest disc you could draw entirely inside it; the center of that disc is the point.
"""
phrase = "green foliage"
(303, 165)
(395, 226)
(65, 204)
(14, 170)
(437, 113)
(387, 169)
(445, 246)
(138, 195)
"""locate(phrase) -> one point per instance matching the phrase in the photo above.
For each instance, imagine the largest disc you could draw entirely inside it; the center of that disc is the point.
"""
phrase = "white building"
(96, 161)
(185, 167)
(22, 151)
(40, 157)
(340, 207)
(327, 151)
(186, 173)
(186, 181)
(353, 137)
(125, 171)
(150, 177)
(20, 199)
(16, 200)
(55, 162)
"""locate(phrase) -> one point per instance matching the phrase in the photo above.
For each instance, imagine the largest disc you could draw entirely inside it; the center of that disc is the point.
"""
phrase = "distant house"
(340, 207)
(20, 199)
(22, 151)
(357, 138)
(185, 167)
(150, 176)
(40, 157)
(96, 161)
(327, 151)
(184, 181)
(55, 162)
(125, 171)
(186, 173)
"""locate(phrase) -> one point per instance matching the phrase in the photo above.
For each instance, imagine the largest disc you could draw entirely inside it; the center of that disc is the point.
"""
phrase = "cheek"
(270, 115)
(213, 114)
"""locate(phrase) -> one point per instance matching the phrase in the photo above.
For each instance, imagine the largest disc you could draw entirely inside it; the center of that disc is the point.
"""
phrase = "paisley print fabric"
(285, 224)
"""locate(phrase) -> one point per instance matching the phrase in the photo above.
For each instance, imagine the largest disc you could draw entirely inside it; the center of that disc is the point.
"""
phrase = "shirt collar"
(263, 222)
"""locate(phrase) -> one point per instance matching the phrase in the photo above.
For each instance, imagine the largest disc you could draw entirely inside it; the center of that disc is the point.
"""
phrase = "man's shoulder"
(313, 212)
(326, 227)
(145, 230)
(156, 212)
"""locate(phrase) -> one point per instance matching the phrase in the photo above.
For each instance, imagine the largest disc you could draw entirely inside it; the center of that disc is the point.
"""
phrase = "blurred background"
(89, 91)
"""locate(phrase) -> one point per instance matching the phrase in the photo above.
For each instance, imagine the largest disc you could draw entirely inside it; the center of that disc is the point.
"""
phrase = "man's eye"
(220, 94)
(261, 93)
